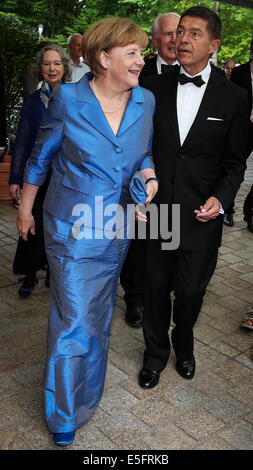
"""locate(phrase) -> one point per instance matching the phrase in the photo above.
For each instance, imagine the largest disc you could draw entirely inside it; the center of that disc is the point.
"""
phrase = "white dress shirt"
(160, 61)
(78, 71)
(189, 97)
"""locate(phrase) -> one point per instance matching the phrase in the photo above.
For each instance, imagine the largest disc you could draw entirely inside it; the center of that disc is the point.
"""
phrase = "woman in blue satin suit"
(100, 132)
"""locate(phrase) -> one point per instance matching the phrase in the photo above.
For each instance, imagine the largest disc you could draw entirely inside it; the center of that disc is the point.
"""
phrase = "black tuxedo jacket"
(241, 75)
(211, 161)
(148, 70)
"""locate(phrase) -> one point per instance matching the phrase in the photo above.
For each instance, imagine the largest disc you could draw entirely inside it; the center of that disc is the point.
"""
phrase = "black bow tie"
(166, 68)
(183, 79)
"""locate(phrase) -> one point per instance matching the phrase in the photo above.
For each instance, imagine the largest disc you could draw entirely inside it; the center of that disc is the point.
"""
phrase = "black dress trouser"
(132, 275)
(248, 205)
(187, 273)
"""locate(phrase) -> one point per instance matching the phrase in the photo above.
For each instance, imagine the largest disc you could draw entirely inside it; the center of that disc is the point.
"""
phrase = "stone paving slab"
(214, 411)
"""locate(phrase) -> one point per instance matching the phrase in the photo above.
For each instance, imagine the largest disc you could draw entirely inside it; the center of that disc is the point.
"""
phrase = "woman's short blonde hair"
(109, 33)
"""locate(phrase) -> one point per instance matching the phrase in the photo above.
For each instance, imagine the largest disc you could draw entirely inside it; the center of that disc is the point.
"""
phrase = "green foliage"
(237, 31)
(61, 18)
(17, 47)
(53, 14)
(19, 26)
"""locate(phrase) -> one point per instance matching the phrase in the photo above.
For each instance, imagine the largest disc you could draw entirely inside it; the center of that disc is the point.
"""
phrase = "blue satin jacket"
(89, 159)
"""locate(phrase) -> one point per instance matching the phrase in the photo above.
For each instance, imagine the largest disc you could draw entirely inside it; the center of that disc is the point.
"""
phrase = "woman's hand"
(15, 192)
(25, 221)
(151, 188)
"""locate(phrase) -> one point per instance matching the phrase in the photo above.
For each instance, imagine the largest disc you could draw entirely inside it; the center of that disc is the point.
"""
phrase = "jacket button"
(115, 186)
(117, 168)
(118, 149)
(181, 155)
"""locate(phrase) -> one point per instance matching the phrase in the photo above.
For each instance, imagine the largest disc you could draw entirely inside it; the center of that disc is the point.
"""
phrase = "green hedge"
(17, 50)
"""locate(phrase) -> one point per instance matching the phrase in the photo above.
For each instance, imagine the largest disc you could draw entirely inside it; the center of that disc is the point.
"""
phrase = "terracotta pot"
(7, 159)
(4, 178)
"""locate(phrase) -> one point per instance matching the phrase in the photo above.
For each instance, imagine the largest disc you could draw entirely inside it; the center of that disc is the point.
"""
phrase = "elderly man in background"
(79, 68)
(228, 66)
(163, 37)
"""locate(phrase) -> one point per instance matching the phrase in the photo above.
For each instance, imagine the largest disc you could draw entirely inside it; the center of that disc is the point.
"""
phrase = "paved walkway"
(213, 411)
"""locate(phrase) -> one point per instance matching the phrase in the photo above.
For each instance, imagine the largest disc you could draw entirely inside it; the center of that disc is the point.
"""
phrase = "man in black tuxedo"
(243, 76)
(133, 271)
(199, 154)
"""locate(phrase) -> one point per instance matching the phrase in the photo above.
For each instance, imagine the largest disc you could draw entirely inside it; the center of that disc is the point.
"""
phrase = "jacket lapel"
(170, 100)
(91, 109)
(134, 110)
(93, 113)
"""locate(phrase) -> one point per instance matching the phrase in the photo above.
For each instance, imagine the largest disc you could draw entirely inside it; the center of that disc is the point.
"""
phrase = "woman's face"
(123, 65)
(52, 68)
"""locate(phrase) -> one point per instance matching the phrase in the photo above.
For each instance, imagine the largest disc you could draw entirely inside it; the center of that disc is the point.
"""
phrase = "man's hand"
(210, 210)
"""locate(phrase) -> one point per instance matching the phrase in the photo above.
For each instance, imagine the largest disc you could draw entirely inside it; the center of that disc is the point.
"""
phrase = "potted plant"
(5, 163)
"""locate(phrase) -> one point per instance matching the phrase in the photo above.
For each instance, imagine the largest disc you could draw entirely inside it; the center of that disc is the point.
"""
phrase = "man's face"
(74, 47)
(194, 44)
(164, 40)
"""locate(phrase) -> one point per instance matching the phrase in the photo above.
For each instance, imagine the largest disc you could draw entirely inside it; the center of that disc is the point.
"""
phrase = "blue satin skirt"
(83, 283)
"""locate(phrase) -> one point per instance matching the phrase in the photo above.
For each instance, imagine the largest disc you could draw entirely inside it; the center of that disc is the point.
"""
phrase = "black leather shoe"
(134, 316)
(228, 220)
(249, 220)
(148, 378)
(27, 285)
(186, 368)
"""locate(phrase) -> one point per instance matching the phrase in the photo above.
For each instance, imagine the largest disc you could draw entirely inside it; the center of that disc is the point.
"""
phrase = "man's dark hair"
(214, 25)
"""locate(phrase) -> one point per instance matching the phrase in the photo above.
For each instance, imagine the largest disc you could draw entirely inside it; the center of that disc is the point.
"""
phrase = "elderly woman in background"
(100, 129)
(53, 69)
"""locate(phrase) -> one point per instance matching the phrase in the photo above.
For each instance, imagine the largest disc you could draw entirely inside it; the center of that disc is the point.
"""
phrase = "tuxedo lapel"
(170, 100)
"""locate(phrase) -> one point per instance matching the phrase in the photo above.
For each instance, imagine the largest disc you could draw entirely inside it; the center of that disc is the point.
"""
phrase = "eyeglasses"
(55, 63)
